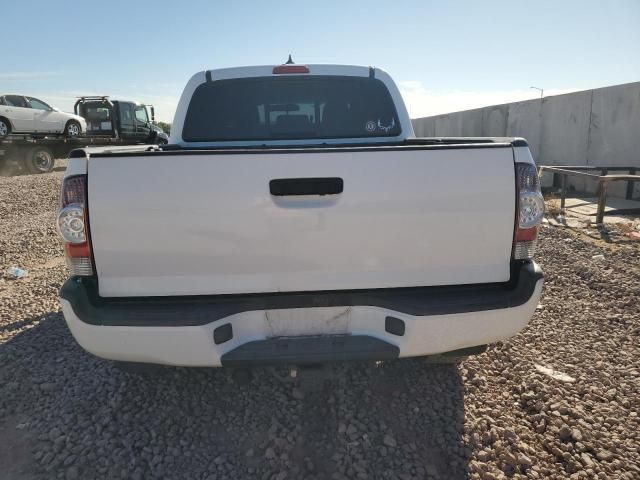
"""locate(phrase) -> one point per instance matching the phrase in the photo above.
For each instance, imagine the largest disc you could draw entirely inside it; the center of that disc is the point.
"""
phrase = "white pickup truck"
(294, 218)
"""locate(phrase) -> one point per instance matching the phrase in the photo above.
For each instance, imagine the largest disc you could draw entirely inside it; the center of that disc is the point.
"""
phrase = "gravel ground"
(559, 400)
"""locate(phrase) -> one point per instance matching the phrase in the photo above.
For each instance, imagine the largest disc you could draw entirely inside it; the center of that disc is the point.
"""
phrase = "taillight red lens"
(73, 225)
(526, 234)
(74, 190)
(77, 250)
(530, 211)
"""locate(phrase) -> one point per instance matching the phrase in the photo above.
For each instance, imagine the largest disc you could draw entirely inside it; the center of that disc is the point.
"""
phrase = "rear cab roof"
(267, 71)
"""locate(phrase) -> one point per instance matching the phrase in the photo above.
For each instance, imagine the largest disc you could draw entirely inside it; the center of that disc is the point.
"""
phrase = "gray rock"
(565, 433)
(48, 387)
(389, 441)
(524, 460)
(576, 434)
(586, 460)
(482, 456)
(72, 473)
(604, 455)
(54, 433)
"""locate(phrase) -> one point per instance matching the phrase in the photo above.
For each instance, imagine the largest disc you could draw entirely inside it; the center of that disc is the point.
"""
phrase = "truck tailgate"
(202, 223)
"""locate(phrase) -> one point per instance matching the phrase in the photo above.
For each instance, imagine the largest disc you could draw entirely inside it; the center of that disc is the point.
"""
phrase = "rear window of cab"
(291, 107)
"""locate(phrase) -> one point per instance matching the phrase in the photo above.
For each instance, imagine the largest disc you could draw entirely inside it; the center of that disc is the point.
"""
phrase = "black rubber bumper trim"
(314, 350)
(82, 294)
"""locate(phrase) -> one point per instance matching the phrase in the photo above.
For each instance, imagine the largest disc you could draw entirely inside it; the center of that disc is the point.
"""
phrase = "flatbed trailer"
(32, 153)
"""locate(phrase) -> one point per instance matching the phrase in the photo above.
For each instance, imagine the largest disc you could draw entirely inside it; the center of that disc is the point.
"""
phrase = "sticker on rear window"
(386, 128)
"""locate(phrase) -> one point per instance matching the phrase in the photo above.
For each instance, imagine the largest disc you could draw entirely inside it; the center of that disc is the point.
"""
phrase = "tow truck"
(123, 119)
(109, 123)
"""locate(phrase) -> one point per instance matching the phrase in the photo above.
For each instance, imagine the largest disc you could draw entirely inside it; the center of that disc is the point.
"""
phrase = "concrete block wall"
(594, 127)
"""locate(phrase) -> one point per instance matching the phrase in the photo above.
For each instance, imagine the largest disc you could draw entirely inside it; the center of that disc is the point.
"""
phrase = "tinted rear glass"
(290, 108)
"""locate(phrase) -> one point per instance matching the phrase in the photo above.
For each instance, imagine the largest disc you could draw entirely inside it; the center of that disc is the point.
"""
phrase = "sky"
(445, 56)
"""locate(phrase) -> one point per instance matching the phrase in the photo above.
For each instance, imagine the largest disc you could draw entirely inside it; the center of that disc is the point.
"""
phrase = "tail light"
(289, 69)
(73, 225)
(530, 211)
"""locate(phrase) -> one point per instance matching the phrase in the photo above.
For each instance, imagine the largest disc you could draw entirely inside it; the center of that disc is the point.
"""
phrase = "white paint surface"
(207, 224)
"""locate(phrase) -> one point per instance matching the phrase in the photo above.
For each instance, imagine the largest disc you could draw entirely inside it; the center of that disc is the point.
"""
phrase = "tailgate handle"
(281, 187)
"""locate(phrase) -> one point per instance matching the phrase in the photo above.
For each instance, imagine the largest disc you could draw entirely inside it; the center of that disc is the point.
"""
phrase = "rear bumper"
(186, 330)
